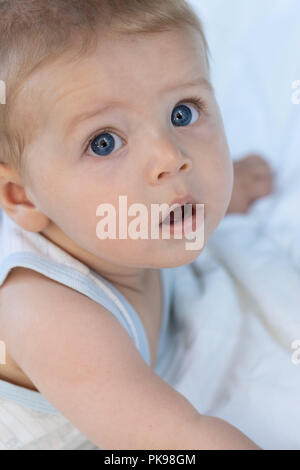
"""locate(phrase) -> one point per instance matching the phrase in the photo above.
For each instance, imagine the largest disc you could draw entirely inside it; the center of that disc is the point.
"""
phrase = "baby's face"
(126, 93)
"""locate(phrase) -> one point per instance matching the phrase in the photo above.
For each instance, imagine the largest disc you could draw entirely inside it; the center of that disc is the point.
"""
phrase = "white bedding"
(238, 306)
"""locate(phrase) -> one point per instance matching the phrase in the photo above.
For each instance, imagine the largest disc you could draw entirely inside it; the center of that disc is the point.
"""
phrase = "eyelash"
(197, 101)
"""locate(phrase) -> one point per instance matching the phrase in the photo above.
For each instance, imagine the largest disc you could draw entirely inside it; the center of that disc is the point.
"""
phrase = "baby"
(107, 98)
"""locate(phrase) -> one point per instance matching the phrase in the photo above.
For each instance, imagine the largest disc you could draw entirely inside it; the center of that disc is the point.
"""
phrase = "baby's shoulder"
(11, 300)
(20, 286)
(17, 276)
(31, 303)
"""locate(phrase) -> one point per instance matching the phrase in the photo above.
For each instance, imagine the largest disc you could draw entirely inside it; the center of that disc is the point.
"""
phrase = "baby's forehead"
(112, 58)
(118, 70)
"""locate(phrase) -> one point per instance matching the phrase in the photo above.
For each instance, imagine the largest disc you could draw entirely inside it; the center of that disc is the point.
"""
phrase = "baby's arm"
(253, 179)
(84, 362)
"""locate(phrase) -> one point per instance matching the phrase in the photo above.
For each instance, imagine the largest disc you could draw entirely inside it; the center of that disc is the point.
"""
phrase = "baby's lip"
(188, 199)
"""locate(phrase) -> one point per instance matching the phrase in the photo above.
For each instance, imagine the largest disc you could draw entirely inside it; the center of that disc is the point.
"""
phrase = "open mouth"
(180, 214)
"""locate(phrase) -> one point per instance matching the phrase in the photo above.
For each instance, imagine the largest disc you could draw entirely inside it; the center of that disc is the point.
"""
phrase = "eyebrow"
(202, 81)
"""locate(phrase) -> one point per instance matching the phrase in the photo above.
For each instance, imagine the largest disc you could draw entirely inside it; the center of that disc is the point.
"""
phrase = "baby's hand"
(253, 179)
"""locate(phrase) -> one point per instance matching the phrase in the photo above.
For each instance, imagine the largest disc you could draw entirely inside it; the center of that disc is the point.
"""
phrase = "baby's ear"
(14, 201)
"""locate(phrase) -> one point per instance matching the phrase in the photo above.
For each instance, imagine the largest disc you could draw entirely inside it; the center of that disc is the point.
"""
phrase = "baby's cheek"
(224, 166)
(220, 149)
(229, 176)
(220, 185)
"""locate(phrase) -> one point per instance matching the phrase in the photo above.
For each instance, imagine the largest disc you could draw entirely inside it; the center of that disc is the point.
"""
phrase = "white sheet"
(237, 307)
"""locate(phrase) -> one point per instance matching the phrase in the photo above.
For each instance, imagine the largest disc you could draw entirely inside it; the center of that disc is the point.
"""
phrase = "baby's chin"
(171, 256)
(176, 262)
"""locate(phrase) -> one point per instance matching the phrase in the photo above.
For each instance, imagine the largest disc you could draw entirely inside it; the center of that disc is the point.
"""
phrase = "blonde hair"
(36, 32)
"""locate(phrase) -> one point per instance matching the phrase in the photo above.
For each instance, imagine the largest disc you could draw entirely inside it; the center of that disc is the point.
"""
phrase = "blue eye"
(103, 144)
(182, 116)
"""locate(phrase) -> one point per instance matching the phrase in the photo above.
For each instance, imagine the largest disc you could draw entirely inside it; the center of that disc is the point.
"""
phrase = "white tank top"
(27, 419)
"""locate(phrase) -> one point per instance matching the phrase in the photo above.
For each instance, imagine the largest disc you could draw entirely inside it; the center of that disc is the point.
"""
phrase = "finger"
(258, 164)
(262, 189)
(255, 158)
(261, 168)
(261, 173)
(239, 203)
